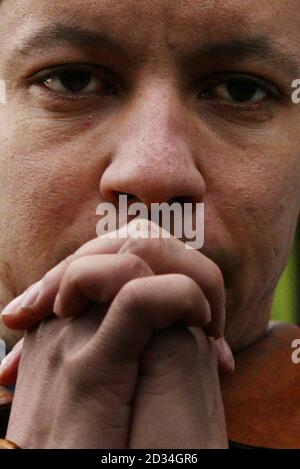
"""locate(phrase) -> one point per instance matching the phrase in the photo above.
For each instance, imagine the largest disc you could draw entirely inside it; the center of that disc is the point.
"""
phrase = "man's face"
(163, 100)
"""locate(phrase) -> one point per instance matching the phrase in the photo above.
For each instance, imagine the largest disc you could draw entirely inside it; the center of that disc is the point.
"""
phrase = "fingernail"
(13, 305)
(226, 353)
(31, 295)
(229, 355)
(56, 306)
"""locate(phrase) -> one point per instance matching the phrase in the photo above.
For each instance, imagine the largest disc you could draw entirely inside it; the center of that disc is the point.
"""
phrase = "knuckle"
(190, 292)
(143, 225)
(136, 246)
(132, 296)
(74, 270)
(132, 263)
(146, 248)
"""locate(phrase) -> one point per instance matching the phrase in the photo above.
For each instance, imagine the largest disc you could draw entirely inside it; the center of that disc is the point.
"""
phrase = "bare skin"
(144, 375)
(163, 106)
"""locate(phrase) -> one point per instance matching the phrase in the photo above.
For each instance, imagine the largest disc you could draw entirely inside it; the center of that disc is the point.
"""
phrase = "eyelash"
(216, 80)
(106, 79)
(100, 73)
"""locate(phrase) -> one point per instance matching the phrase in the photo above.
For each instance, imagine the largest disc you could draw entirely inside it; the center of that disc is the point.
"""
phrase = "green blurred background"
(286, 306)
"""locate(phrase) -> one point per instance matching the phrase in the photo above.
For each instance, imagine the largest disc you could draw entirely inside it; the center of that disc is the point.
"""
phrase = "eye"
(239, 90)
(77, 81)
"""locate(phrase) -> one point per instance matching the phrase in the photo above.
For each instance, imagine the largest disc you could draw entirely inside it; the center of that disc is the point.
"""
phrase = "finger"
(36, 303)
(142, 307)
(98, 278)
(87, 278)
(225, 356)
(9, 366)
(170, 256)
(178, 388)
(163, 256)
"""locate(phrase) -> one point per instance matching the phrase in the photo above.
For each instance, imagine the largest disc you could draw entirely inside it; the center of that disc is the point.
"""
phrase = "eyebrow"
(57, 35)
(241, 49)
(233, 49)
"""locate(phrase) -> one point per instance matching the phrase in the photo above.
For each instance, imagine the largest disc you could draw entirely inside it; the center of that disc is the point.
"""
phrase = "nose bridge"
(158, 121)
(154, 158)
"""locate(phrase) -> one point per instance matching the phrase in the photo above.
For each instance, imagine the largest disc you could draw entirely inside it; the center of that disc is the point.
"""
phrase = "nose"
(155, 159)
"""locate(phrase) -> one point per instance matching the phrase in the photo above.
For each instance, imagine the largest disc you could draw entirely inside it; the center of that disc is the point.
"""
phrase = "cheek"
(254, 194)
(259, 181)
(49, 199)
(51, 194)
(53, 169)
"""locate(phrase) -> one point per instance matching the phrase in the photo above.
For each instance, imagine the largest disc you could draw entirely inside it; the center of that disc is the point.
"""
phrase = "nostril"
(130, 197)
(114, 197)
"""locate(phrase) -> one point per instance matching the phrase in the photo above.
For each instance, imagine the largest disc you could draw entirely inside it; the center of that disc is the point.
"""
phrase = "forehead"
(143, 23)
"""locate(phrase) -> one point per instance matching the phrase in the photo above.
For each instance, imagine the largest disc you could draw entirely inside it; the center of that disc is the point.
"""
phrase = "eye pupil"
(241, 90)
(75, 81)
